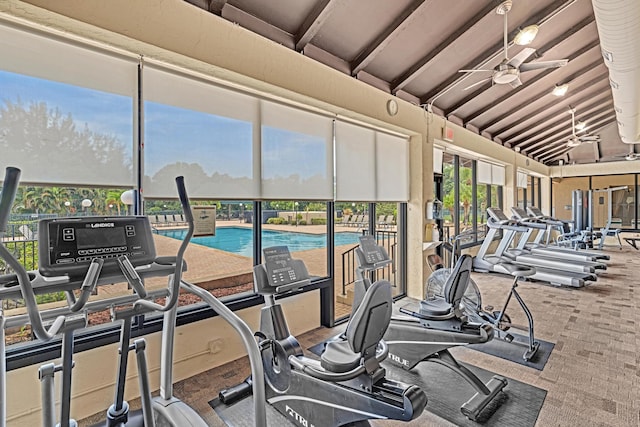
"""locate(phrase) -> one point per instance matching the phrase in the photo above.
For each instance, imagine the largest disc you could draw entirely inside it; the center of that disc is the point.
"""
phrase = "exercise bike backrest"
(458, 281)
(370, 320)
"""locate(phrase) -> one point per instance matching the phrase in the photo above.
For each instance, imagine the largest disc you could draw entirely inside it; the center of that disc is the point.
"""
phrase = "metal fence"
(384, 238)
(26, 251)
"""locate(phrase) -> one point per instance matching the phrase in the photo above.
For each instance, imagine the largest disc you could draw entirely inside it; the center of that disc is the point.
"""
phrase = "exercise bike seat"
(453, 291)
(437, 306)
(517, 270)
(364, 331)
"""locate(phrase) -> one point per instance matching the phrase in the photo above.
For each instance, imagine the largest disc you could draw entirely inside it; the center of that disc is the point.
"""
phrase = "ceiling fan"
(508, 70)
(575, 139)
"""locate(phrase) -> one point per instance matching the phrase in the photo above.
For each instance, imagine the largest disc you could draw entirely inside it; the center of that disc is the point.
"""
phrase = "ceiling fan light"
(526, 35)
(580, 126)
(560, 90)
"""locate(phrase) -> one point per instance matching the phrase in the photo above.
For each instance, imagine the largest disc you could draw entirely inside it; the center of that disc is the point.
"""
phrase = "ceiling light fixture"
(560, 90)
(580, 126)
(526, 35)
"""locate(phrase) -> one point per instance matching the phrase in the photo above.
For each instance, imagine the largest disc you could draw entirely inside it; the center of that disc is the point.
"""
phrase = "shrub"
(302, 222)
(277, 221)
(318, 221)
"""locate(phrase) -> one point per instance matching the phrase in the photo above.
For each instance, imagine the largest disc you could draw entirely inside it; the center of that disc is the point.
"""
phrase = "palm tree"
(113, 198)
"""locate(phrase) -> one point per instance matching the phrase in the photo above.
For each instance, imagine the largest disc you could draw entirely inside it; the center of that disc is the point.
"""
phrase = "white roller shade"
(483, 173)
(66, 111)
(488, 173)
(297, 153)
(522, 180)
(498, 175)
(43, 57)
(202, 131)
(355, 163)
(438, 154)
(392, 168)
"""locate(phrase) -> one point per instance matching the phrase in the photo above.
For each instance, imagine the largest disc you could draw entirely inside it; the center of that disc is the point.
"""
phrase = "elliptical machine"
(426, 333)
(347, 384)
(104, 251)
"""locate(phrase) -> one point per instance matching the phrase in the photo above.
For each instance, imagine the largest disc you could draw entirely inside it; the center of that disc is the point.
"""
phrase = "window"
(521, 184)
(623, 201)
(449, 185)
(220, 263)
(466, 202)
(70, 107)
(389, 236)
(351, 221)
(265, 170)
(300, 225)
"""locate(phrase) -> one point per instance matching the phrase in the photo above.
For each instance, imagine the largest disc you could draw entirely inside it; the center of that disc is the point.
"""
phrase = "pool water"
(239, 240)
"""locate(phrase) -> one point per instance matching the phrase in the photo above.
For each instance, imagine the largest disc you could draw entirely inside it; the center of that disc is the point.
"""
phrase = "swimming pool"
(239, 240)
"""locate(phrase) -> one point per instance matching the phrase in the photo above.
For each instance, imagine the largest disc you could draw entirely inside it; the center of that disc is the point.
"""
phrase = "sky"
(175, 134)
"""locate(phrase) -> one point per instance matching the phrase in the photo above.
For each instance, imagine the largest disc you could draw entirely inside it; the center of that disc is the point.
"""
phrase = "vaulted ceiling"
(414, 50)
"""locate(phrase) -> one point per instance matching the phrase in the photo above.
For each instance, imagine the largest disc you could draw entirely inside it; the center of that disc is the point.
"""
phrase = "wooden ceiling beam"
(426, 61)
(369, 53)
(313, 22)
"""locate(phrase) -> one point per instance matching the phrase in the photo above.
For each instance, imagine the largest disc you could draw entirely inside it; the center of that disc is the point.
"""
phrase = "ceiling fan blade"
(517, 82)
(474, 70)
(478, 83)
(525, 53)
(543, 65)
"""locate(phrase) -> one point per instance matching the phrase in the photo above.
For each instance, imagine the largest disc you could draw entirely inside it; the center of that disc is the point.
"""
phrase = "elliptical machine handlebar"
(174, 284)
(9, 189)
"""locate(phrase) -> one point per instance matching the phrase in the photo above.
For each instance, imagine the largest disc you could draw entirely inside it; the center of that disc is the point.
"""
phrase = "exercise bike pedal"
(489, 308)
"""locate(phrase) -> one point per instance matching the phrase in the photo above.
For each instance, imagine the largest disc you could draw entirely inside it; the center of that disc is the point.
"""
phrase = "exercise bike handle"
(174, 286)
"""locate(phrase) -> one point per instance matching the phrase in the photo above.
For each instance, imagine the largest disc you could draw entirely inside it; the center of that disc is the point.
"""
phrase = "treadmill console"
(280, 273)
(67, 245)
(497, 214)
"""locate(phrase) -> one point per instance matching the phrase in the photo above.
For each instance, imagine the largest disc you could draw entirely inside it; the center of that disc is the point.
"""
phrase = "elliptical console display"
(74, 242)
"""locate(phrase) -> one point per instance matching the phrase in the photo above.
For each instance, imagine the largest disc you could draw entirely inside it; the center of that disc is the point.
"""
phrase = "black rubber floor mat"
(240, 414)
(518, 405)
(514, 352)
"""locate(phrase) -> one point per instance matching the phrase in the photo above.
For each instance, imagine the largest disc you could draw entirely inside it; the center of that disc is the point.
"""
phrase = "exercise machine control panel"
(67, 245)
(281, 273)
(371, 255)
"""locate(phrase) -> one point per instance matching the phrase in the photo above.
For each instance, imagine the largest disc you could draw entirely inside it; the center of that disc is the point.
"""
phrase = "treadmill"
(535, 212)
(544, 261)
(543, 226)
(485, 262)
